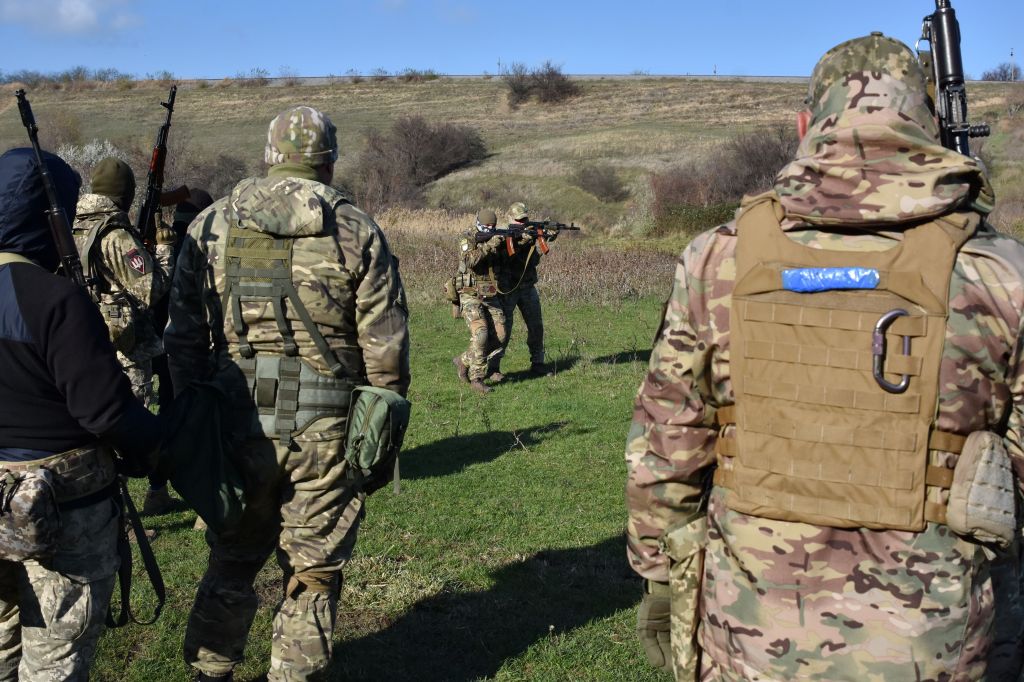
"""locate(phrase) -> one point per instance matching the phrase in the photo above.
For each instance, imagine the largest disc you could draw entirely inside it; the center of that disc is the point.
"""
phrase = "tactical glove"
(165, 235)
(652, 625)
(482, 237)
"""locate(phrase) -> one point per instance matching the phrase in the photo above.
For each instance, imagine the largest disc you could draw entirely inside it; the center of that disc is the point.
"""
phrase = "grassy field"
(502, 557)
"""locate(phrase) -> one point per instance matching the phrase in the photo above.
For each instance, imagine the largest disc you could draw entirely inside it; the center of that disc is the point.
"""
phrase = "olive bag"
(377, 420)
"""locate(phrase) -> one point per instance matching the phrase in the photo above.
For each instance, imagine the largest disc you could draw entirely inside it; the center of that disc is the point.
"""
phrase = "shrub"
(254, 78)
(698, 196)
(289, 77)
(517, 80)
(417, 76)
(84, 157)
(379, 75)
(1006, 71)
(354, 76)
(396, 165)
(551, 86)
(546, 83)
(603, 181)
(164, 78)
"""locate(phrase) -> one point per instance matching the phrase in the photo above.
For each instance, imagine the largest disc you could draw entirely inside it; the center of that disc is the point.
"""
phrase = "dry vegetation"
(629, 129)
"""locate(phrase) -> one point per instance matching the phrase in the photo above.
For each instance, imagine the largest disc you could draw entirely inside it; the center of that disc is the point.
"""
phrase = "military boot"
(496, 377)
(539, 369)
(480, 387)
(157, 501)
(205, 677)
(461, 369)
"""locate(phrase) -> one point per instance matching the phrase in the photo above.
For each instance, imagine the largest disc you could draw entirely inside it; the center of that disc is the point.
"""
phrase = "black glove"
(653, 619)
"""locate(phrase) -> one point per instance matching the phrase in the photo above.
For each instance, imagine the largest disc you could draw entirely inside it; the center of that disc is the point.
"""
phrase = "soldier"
(312, 306)
(830, 350)
(482, 305)
(519, 290)
(128, 281)
(64, 405)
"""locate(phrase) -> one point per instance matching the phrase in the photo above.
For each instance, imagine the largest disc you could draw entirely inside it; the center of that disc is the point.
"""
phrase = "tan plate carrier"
(817, 438)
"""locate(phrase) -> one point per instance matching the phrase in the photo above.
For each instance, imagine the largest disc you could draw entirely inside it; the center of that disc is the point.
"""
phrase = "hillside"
(638, 125)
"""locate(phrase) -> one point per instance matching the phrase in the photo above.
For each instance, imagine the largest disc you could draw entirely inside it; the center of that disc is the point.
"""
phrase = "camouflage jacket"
(484, 260)
(342, 268)
(774, 590)
(128, 280)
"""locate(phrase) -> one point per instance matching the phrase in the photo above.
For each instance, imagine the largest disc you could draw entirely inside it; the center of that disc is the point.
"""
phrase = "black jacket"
(61, 385)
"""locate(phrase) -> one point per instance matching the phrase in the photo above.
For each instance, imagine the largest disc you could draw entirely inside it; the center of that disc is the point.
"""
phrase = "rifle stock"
(155, 181)
(60, 228)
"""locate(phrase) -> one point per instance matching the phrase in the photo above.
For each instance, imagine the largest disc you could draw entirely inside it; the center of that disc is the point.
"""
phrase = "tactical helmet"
(487, 217)
(301, 135)
(114, 178)
(875, 53)
(518, 211)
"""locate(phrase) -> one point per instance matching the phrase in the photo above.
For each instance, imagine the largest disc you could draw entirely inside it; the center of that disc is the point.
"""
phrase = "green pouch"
(377, 420)
(197, 456)
(684, 544)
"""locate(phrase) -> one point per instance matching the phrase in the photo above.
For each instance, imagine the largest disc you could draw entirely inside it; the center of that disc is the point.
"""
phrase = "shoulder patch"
(136, 262)
(465, 244)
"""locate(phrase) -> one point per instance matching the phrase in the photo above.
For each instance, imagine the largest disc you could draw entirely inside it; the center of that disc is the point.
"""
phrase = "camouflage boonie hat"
(487, 217)
(517, 211)
(301, 135)
(877, 54)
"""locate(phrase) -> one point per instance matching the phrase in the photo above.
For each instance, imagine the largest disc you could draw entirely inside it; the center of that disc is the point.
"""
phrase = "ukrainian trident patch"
(136, 261)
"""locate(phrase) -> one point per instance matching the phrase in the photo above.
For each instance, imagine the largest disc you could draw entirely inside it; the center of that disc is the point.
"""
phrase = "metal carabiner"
(878, 352)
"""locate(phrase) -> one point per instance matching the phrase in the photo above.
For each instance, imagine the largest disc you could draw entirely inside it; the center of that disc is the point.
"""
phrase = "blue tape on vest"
(811, 280)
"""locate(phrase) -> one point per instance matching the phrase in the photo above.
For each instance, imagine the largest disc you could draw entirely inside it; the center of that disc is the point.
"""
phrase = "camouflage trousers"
(52, 612)
(300, 504)
(487, 335)
(527, 299)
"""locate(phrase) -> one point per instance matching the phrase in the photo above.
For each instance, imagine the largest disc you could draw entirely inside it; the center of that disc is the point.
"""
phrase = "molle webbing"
(817, 438)
(287, 391)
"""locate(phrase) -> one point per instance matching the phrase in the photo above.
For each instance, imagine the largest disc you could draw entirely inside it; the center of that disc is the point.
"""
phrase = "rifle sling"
(124, 571)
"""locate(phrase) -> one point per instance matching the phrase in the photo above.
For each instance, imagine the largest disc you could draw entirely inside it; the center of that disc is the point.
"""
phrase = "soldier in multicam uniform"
(480, 267)
(289, 296)
(519, 290)
(66, 407)
(823, 544)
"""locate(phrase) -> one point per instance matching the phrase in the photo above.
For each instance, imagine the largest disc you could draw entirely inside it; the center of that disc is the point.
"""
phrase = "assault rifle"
(155, 182)
(945, 69)
(60, 229)
(541, 230)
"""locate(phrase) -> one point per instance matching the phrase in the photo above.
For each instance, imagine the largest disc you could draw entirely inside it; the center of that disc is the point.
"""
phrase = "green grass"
(502, 557)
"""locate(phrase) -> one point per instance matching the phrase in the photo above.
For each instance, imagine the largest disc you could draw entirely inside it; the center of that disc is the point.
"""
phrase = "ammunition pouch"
(289, 395)
(481, 287)
(120, 317)
(32, 494)
(451, 289)
(982, 498)
(377, 421)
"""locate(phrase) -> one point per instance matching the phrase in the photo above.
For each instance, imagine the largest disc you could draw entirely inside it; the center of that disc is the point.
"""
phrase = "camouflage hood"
(285, 206)
(95, 204)
(871, 153)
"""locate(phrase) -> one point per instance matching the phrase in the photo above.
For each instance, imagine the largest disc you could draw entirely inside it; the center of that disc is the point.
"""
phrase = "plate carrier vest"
(829, 428)
(288, 392)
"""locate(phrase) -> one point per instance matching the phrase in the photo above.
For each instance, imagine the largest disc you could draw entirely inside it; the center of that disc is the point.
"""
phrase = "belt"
(79, 475)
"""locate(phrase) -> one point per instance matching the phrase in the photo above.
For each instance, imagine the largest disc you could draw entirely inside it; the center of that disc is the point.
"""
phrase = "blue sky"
(218, 38)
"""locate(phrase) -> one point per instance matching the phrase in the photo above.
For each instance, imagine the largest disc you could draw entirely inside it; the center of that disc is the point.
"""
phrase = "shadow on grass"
(643, 356)
(452, 455)
(562, 364)
(469, 635)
